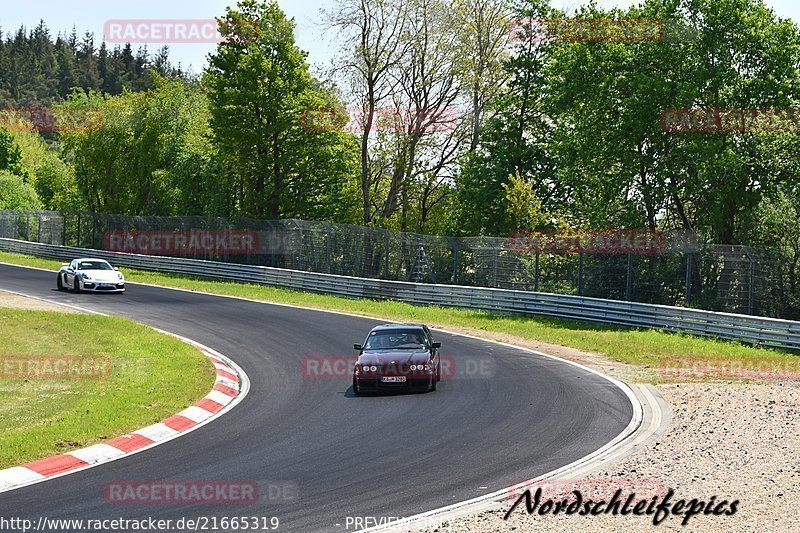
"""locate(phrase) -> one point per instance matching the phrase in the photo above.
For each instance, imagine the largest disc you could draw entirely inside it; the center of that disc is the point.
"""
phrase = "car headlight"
(84, 276)
(120, 276)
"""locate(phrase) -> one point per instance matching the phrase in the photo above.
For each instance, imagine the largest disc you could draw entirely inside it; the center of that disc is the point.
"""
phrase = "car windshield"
(94, 265)
(406, 339)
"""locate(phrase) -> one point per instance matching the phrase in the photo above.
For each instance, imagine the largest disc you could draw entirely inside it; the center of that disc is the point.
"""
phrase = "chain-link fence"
(737, 279)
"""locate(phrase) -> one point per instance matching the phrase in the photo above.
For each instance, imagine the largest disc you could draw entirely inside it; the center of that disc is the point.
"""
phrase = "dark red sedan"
(397, 356)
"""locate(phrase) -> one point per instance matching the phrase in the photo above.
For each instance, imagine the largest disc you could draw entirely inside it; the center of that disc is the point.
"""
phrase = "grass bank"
(69, 381)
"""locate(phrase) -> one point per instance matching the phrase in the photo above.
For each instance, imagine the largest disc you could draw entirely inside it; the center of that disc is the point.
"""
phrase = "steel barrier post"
(688, 291)
(629, 278)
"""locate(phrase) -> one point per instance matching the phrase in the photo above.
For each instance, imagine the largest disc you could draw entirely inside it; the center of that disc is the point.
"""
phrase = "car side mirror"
(116, 268)
(436, 345)
(357, 347)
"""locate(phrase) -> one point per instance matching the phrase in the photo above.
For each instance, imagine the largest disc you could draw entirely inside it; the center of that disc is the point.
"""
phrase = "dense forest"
(39, 70)
(436, 116)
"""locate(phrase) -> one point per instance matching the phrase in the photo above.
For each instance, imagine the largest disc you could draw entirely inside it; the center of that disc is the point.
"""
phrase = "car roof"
(384, 327)
(90, 259)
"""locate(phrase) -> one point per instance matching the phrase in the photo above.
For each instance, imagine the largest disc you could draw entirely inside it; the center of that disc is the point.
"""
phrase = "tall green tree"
(15, 193)
(259, 89)
(149, 154)
(606, 99)
(513, 141)
(10, 155)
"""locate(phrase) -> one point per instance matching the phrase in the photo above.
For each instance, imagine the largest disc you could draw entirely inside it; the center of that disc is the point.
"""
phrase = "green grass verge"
(635, 346)
(151, 377)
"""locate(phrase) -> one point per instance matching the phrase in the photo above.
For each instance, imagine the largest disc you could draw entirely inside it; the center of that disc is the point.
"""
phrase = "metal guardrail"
(744, 328)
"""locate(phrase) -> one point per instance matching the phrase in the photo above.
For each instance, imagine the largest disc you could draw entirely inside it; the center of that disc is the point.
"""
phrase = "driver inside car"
(414, 338)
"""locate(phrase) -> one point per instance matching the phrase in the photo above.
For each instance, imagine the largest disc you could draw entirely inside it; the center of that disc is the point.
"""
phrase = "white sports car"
(90, 275)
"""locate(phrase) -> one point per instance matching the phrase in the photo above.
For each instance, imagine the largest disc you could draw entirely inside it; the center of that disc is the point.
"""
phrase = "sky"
(96, 15)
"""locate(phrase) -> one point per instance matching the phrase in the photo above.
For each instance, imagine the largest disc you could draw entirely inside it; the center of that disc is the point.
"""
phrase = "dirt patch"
(734, 441)
(16, 301)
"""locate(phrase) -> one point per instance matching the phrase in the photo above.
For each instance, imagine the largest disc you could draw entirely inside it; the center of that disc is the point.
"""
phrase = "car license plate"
(393, 379)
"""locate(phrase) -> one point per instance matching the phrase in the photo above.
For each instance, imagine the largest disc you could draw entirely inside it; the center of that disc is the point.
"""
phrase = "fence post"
(750, 287)
(536, 274)
(386, 256)
(27, 227)
(688, 291)
(496, 258)
(629, 278)
(580, 274)
(328, 249)
(455, 262)
(63, 228)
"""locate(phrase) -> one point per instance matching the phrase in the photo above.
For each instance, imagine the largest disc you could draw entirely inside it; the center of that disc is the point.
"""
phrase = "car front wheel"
(77, 286)
(60, 283)
(355, 387)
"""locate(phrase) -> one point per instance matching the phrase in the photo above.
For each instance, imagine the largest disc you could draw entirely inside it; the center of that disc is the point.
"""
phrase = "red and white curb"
(230, 387)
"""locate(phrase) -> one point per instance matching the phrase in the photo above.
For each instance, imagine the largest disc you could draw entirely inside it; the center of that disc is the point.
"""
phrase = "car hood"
(382, 357)
(102, 275)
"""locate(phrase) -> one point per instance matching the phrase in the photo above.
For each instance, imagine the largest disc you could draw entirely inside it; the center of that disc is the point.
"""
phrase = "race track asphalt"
(381, 456)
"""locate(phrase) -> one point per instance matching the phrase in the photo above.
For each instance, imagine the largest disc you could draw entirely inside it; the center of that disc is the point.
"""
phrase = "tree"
(623, 169)
(524, 207)
(483, 37)
(514, 140)
(149, 153)
(372, 33)
(36, 71)
(10, 155)
(15, 193)
(259, 89)
(27, 155)
(745, 57)
(427, 134)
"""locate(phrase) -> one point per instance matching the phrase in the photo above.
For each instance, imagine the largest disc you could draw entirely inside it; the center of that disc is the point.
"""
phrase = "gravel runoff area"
(8, 299)
(736, 441)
